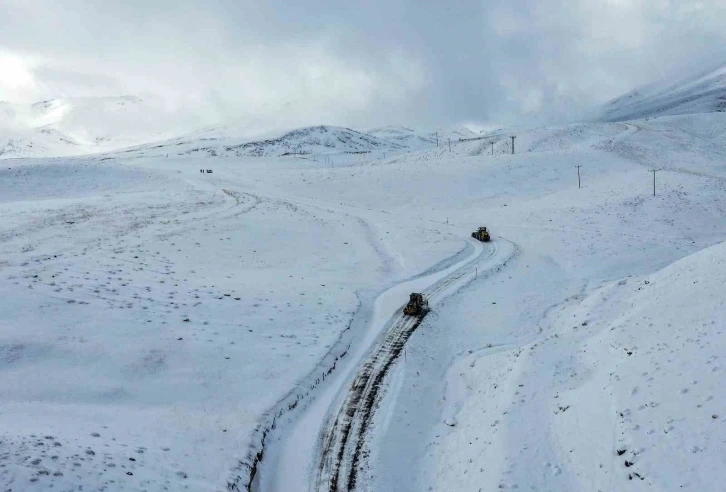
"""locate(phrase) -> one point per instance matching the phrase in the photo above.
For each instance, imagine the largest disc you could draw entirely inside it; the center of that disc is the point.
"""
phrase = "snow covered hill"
(230, 141)
(312, 141)
(38, 142)
(76, 126)
(316, 139)
(704, 92)
(652, 348)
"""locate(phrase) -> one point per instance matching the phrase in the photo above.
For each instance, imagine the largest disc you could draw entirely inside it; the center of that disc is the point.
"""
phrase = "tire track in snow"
(344, 442)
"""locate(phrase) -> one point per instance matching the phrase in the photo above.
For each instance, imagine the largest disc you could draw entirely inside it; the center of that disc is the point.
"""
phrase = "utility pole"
(578, 175)
(653, 171)
(512, 137)
(492, 148)
(437, 139)
(449, 145)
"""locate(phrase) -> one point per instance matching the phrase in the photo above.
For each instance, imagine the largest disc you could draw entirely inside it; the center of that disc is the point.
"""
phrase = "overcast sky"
(357, 63)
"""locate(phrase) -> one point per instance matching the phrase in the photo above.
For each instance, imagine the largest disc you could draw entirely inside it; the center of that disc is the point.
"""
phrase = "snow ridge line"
(343, 445)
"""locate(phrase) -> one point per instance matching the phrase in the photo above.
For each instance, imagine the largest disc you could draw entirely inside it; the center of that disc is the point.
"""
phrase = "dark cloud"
(360, 63)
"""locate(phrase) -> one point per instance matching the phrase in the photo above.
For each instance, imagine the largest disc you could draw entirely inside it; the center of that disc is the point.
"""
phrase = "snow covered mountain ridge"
(313, 140)
(217, 142)
(143, 126)
(703, 92)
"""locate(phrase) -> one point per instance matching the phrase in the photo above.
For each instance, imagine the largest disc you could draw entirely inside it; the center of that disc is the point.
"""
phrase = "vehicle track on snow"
(343, 445)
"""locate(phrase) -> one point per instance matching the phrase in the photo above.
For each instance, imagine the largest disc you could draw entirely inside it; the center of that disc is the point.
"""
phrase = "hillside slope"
(654, 358)
(704, 92)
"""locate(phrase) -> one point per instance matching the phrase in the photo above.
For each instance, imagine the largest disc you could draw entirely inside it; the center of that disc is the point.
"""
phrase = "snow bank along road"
(344, 441)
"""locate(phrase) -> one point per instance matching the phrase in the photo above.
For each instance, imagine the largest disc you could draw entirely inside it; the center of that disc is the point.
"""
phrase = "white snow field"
(166, 329)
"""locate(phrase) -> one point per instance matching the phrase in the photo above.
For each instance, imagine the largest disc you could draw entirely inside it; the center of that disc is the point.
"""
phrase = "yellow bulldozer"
(481, 234)
(417, 304)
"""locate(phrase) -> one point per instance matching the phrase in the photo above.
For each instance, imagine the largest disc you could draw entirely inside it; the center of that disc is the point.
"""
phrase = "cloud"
(16, 77)
(287, 63)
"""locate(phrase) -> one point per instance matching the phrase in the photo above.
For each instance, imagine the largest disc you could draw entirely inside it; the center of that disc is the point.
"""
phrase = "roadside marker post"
(654, 171)
(578, 175)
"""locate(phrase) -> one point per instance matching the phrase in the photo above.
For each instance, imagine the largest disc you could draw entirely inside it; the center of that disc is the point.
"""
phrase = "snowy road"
(324, 445)
(345, 440)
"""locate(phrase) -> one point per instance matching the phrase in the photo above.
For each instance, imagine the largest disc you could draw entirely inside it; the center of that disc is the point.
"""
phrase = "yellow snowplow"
(481, 234)
(417, 304)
